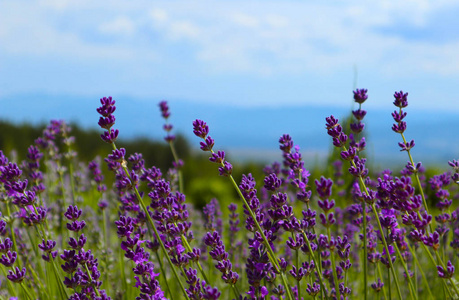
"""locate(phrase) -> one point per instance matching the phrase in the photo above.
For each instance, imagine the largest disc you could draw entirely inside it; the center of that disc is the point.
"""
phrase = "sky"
(245, 53)
(242, 54)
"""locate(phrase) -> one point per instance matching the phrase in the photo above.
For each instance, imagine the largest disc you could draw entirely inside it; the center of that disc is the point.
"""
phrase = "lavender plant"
(68, 232)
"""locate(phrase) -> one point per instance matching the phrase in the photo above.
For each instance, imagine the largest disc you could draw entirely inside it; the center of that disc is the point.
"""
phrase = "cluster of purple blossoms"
(165, 113)
(360, 96)
(294, 170)
(8, 255)
(80, 264)
(401, 101)
(32, 170)
(258, 266)
(130, 229)
(171, 215)
(201, 130)
(30, 210)
(219, 254)
(131, 233)
(107, 119)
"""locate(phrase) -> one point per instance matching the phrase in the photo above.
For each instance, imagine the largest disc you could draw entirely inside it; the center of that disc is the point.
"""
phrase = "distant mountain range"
(251, 133)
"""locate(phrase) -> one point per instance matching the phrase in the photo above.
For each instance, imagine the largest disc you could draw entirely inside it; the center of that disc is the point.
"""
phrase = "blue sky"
(244, 53)
(240, 54)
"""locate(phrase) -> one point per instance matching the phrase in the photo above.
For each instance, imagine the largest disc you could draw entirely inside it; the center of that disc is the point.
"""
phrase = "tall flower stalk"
(106, 121)
(201, 130)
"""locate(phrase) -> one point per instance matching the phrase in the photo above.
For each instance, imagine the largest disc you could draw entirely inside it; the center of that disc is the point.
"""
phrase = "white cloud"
(258, 39)
(120, 25)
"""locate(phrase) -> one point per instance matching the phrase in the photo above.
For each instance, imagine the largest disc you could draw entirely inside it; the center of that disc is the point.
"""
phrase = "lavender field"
(116, 228)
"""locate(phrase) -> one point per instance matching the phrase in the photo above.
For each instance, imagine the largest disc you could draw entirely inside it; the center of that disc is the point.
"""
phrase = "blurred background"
(253, 70)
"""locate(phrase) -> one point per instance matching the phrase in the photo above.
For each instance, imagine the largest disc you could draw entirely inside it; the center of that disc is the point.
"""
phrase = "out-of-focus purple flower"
(200, 129)
(377, 286)
(9, 258)
(219, 254)
(313, 289)
(401, 99)
(324, 187)
(164, 109)
(446, 273)
(16, 275)
(406, 146)
(226, 170)
(359, 169)
(432, 240)
(360, 95)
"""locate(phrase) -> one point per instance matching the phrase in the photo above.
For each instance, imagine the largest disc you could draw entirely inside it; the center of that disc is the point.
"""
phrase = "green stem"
(10, 285)
(365, 252)
(107, 246)
(385, 246)
(412, 290)
(298, 283)
(322, 284)
(413, 252)
(188, 248)
(90, 278)
(388, 280)
(176, 159)
(26, 291)
(13, 236)
(235, 291)
(122, 269)
(444, 267)
(380, 276)
(335, 276)
(164, 274)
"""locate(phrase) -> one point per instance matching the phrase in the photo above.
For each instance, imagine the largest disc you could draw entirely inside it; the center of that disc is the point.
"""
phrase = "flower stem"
(164, 274)
(413, 252)
(176, 159)
(335, 276)
(365, 251)
(380, 275)
(412, 290)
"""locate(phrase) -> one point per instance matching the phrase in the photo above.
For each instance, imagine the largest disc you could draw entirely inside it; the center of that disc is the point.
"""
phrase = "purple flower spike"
(218, 157)
(359, 114)
(272, 182)
(8, 259)
(76, 226)
(47, 246)
(433, 240)
(107, 122)
(359, 169)
(164, 109)
(208, 144)
(226, 170)
(377, 286)
(401, 99)
(117, 155)
(110, 137)
(73, 213)
(406, 146)
(200, 129)
(16, 275)
(108, 106)
(313, 290)
(448, 273)
(324, 187)
(360, 95)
